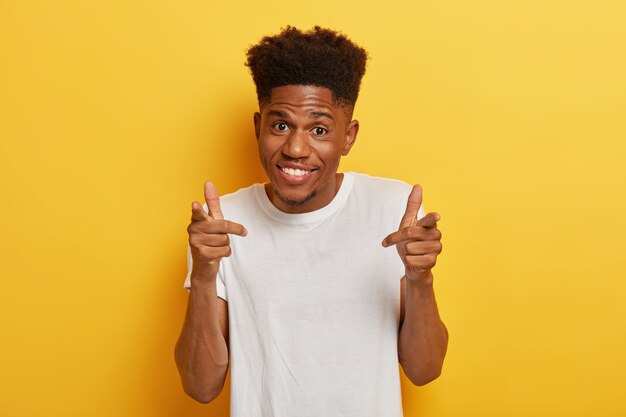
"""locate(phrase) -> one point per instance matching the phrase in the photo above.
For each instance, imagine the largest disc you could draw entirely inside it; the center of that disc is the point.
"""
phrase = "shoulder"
(389, 193)
(380, 197)
(381, 188)
(378, 202)
(238, 203)
(241, 195)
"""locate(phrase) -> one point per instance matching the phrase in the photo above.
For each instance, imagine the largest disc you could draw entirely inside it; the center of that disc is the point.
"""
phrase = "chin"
(294, 201)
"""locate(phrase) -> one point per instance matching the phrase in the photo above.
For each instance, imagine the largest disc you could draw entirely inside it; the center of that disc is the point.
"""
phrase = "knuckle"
(415, 232)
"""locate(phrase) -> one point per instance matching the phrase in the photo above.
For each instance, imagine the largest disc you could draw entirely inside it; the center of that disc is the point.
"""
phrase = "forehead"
(302, 98)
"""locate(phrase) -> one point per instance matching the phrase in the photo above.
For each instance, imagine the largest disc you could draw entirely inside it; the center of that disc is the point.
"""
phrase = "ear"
(351, 132)
(257, 124)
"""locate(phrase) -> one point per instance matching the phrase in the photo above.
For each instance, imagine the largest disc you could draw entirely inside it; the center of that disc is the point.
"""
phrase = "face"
(302, 134)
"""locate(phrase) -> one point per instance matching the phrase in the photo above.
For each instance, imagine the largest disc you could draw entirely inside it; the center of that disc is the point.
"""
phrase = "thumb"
(212, 200)
(429, 221)
(197, 212)
(413, 205)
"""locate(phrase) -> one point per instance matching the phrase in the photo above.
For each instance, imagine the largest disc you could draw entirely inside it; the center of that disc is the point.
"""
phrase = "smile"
(295, 172)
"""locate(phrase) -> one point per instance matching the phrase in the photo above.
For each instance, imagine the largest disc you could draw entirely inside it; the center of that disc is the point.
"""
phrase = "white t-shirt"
(314, 303)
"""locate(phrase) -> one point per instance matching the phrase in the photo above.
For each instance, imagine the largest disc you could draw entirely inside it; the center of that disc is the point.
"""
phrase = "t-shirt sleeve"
(220, 286)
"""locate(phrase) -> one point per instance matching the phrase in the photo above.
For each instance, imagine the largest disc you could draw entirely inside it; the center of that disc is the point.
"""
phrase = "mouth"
(295, 175)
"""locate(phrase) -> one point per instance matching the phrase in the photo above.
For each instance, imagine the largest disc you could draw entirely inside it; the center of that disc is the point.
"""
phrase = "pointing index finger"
(231, 228)
(212, 200)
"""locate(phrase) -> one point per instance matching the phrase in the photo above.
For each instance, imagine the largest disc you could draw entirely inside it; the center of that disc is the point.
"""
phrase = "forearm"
(201, 351)
(423, 337)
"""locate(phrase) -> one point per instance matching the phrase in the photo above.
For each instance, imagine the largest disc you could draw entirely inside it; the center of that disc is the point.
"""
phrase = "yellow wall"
(510, 113)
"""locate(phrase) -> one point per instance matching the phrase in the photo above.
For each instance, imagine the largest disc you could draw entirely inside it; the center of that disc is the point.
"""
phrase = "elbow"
(203, 392)
(202, 387)
(203, 396)
(421, 373)
(422, 378)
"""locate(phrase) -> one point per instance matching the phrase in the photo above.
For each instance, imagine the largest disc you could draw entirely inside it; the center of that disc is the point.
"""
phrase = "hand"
(418, 241)
(208, 235)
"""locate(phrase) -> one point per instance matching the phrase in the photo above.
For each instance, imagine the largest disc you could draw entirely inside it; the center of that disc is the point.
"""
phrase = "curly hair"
(318, 57)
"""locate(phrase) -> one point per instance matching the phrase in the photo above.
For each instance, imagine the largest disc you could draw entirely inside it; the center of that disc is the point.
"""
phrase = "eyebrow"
(278, 113)
(312, 115)
(320, 114)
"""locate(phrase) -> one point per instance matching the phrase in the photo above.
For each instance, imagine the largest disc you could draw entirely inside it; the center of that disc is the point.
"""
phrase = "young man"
(293, 283)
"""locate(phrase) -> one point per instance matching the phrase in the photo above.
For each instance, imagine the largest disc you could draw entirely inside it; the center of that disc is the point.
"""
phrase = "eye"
(280, 126)
(319, 131)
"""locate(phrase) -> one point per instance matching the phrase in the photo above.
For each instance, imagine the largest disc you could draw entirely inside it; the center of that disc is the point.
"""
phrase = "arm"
(423, 338)
(202, 349)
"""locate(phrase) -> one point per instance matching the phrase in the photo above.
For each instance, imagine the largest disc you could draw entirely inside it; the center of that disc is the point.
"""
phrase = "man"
(290, 283)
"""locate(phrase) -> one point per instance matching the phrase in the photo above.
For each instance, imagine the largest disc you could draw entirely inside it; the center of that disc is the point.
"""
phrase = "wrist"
(203, 288)
(202, 277)
(422, 279)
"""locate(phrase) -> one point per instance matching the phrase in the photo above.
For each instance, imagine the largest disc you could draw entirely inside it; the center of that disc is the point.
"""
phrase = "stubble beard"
(295, 203)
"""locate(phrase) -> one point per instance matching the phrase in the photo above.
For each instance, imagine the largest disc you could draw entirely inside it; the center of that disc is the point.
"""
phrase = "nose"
(297, 145)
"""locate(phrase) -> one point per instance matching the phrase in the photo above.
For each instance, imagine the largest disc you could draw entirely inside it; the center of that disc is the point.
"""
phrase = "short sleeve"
(220, 286)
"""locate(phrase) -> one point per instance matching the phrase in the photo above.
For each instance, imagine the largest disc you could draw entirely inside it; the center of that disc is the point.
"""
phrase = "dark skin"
(302, 133)
(202, 348)
(423, 338)
(303, 128)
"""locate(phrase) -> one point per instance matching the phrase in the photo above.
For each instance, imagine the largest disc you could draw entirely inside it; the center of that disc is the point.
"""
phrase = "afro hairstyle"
(318, 57)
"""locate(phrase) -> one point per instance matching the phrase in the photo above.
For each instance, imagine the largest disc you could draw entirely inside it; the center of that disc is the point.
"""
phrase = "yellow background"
(511, 114)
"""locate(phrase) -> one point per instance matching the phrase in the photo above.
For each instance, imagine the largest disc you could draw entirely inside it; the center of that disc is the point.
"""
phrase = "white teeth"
(295, 172)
